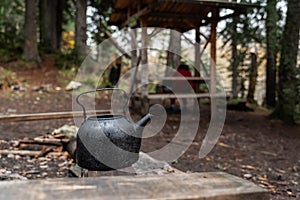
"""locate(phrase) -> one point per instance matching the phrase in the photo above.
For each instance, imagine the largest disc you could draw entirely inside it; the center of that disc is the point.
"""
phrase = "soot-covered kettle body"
(106, 142)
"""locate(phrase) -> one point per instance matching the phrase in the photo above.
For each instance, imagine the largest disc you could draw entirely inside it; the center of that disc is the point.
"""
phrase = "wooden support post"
(197, 58)
(134, 60)
(144, 62)
(145, 79)
(213, 55)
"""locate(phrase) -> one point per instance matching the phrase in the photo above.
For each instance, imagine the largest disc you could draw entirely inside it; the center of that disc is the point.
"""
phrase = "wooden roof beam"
(136, 15)
(176, 15)
(215, 3)
(177, 24)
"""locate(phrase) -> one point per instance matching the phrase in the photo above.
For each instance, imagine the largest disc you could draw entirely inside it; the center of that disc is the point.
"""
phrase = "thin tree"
(80, 29)
(61, 6)
(252, 78)
(51, 20)
(272, 43)
(30, 51)
(174, 49)
(48, 25)
(235, 62)
(288, 92)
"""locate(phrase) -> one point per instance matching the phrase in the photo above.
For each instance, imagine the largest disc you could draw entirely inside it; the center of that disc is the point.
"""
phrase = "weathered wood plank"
(43, 116)
(212, 186)
(28, 153)
(20, 152)
(184, 96)
(177, 78)
(45, 141)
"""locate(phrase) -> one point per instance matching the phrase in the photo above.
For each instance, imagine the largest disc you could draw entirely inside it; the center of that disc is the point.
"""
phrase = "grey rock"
(69, 131)
(73, 85)
(248, 176)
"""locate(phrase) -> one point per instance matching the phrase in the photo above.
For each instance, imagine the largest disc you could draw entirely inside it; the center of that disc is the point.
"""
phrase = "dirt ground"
(251, 146)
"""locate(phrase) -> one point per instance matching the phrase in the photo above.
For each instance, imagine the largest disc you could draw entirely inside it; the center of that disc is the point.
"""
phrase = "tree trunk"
(174, 49)
(235, 62)
(252, 79)
(271, 29)
(197, 59)
(80, 29)
(59, 22)
(288, 92)
(49, 27)
(30, 46)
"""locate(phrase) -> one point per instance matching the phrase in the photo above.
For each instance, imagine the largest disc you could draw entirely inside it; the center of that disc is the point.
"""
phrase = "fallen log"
(44, 116)
(31, 153)
(20, 152)
(45, 141)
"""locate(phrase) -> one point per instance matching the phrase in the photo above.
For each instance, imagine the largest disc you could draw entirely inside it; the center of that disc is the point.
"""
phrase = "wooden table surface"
(211, 185)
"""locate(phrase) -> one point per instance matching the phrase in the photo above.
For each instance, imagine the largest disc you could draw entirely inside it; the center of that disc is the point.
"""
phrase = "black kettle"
(108, 141)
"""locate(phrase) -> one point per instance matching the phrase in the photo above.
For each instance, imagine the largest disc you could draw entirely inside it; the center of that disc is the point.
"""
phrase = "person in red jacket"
(184, 70)
(180, 86)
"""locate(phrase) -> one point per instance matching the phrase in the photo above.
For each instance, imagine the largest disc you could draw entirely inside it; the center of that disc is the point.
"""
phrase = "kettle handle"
(99, 89)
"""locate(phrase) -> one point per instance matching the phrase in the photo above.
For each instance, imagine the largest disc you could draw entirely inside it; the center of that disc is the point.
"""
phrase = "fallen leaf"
(223, 145)
(264, 183)
(280, 170)
(248, 167)
(294, 182)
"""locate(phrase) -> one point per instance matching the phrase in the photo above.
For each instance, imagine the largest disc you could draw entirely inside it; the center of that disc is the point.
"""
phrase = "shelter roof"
(182, 15)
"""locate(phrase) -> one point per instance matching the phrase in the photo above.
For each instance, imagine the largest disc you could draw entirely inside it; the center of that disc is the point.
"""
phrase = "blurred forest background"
(265, 39)
(44, 42)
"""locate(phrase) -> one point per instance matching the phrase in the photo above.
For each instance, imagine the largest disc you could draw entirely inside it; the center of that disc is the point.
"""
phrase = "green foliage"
(66, 61)
(297, 113)
(69, 16)
(204, 87)
(66, 75)
(249, 27)
(11, 28)
(274, 17)
(7, 78)
(101, 9)
(297, 110)
(249, 31)
(152, 87)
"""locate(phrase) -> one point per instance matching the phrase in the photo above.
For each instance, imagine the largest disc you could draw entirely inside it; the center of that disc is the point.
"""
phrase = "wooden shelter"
(180, 15)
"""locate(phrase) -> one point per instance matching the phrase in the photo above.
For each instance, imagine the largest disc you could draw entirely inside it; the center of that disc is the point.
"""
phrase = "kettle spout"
(140, 125)
(143, 122)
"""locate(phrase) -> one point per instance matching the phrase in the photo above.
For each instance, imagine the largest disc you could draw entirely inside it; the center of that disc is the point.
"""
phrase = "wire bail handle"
(96, 90)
